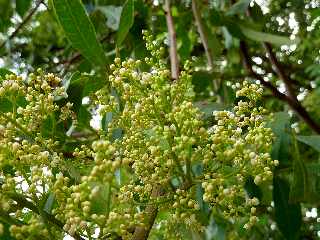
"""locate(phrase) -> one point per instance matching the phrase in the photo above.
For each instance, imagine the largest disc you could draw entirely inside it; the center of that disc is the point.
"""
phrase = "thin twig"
(50, 218)
(21, 25)
(293, 103)
(280, 71)
(174, 60)
(204, 39)
(202, 33)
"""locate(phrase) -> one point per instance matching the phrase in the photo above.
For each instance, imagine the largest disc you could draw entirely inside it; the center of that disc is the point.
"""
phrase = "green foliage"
(126, 21)
(82, 149)
(82, 37)
(287, 215)
(22, 6)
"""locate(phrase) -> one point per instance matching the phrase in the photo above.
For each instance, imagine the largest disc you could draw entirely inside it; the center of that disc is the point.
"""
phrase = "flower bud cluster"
(155, 139)
(164, 139)
(29, 149)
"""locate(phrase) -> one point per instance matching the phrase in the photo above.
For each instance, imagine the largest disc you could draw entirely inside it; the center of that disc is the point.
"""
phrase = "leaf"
(306, 183)
(267, 37)
(216, 17)
(208, 107)
(256, 13)
(4, 72)
(22, 6)
(239, 7)
(234, 29)
(79, 30)
(113, 14)
(5, 105)
(281, 129)
(126, 21)
(6, 12)
(75, 89)
(100, 202)
(227, 37)
(287, 215)
(313, 141)
(300, 187)
(49, 203)
(252, 189)
(201, 80)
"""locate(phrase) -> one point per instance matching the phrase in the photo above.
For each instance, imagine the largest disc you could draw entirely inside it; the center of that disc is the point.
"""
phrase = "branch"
(172, 41)
(279, 70)
(202, 33)
(151, 211)
(50, 218)
(292, 102)
(204, 39)
(248, 65)
(20, 26)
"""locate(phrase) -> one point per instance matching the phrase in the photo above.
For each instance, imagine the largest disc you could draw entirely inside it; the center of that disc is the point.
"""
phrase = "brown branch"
(151, 211)
(204, 39)
(174, 60)
(280, 71)
(21, 25)
(202, 33)
(293, 103)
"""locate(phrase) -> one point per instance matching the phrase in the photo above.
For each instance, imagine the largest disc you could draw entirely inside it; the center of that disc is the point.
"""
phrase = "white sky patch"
(280, 21)
(1, 62)
(313, 213)
(282, 88)
(313, 24)
(293, 24)
(85, 100)
(96, 233)
(257, 60)
(95, 122)
(302, 95)
(68, 237)
(264, 4)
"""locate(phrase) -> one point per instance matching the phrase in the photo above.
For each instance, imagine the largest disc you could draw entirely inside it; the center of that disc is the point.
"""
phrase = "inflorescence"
(155, 139)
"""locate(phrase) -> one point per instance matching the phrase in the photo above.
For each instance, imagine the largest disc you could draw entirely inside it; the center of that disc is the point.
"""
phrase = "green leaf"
(300, 188)
(227, 37)
(216, 17)
(252, 189)
(312, 141)
(306, 179)
(208, 107)
(79, 30)
(101, 202)
(4, 72)
(267, 37)
(126, 21)
(49, 203)
(239, 7)
(75, 89)
(287, 215)
(22, 6)
(281, 146)
(234, 29)
(6, 12)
